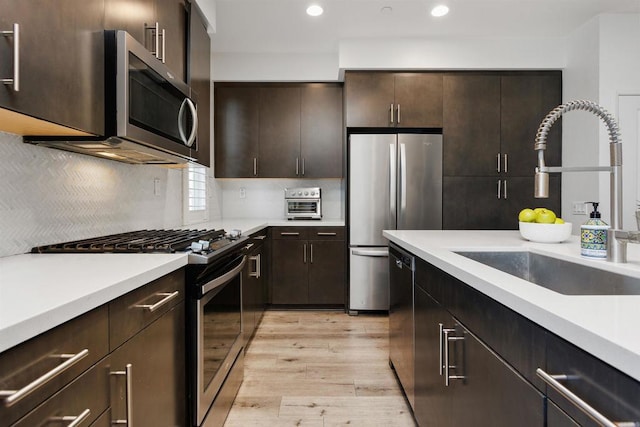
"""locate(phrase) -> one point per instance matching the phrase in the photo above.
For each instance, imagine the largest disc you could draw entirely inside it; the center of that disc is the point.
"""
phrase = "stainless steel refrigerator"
(394, 182)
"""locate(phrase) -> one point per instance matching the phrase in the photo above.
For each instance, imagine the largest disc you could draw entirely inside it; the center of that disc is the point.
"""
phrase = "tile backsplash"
(49, 196)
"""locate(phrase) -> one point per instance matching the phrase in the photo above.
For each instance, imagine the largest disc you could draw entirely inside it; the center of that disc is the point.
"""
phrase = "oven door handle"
(219, 281)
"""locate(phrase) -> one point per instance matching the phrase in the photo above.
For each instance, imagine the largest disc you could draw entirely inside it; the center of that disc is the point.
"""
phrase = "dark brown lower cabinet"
(308, 266)
(556, 417)
(254, 286)
(481, 389)
(154, 362)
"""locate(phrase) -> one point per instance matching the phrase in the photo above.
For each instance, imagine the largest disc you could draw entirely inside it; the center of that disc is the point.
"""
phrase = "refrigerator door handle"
(392, 185)
(371, 252)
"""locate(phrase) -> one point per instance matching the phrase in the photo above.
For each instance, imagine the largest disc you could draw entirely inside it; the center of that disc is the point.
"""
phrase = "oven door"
(218, 325)
(303, 208)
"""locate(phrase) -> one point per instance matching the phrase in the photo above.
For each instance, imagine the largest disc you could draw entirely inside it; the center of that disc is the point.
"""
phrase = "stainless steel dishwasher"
(401, 329)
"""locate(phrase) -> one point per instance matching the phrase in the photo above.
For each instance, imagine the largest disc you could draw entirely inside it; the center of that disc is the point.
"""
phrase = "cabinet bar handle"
(304, 256)
(248, 246)
(447, 366)
(498, 162)
(164, 46)
(499, 188)
(256, 272)
(398, 113)
(289, 233)
(255, 166)
(168, 296)
(504, 193)
(311, 252)
(155, 29)
(264, 236)
(12, 397)
(128, 375)
(440, 335)
(506, 167)
(303, 162)
(391, 109)
(77, 419)
(323, 233)
(15, 81)
(297, 166)
(554, 382)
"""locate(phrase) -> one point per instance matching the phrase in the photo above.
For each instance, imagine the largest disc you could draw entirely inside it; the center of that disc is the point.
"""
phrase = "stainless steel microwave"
(150, 115)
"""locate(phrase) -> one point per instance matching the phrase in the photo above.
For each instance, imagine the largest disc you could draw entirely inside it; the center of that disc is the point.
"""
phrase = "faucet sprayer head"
(541, 185)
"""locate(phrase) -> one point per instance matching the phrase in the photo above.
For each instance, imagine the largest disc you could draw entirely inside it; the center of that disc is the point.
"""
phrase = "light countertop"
(41, 291)
(603, 325)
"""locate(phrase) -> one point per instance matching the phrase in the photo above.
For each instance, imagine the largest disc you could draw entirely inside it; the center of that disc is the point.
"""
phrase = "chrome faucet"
(616, 238)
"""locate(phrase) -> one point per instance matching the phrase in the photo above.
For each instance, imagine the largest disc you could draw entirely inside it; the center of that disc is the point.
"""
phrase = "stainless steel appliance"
(214, 310)
(303, 203)
(150, 115)
(394, 182)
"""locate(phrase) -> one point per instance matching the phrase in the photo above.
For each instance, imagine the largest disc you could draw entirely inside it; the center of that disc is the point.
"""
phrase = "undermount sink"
(558, 275)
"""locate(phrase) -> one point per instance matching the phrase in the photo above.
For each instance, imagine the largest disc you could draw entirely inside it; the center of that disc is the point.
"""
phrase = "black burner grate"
(143, 241)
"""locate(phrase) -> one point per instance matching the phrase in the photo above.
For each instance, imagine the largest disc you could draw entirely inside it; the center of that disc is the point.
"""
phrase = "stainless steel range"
(214, 310)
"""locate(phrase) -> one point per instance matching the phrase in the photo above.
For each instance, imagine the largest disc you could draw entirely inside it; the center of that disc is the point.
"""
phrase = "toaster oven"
(303, 203)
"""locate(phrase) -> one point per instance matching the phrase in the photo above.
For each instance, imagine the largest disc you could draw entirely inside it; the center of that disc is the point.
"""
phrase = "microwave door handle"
(194, 129)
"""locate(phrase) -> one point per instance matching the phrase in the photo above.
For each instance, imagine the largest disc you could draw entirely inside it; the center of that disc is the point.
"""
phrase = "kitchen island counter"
(603, 325)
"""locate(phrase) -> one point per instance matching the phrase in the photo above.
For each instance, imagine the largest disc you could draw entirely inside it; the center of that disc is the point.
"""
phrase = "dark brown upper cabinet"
(199, 78)
(60, 63)
(387, 99)
(278, 130)
(160, 25)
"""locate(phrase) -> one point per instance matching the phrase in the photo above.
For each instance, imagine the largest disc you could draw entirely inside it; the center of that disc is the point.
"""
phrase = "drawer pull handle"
(554, 382)
(289, 233)
(128, 375)
(15, 80)
(11, 397)
(255, 273)
(168, 296)
(76, 419)
(264, 236)
(327, 234)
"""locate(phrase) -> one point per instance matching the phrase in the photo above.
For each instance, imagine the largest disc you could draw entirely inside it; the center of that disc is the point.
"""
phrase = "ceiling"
(265, 26)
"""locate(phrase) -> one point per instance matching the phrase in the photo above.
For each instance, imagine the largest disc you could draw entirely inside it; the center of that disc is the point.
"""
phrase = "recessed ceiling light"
(314, 10)
(439, 10)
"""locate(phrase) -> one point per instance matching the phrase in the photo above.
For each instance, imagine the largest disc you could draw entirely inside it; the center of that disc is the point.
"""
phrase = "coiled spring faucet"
(616, 238)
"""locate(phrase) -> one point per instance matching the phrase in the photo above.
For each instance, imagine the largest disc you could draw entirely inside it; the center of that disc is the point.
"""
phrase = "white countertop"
(41, 291)
(603, 325)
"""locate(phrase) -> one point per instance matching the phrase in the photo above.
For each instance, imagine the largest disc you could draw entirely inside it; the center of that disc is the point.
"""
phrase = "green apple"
(546, 216)
(559, 221)
(527, 215)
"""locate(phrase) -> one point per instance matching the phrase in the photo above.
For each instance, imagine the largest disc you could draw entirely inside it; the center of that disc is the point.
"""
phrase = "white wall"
(50, 196)
(603, 61)
(265, 197)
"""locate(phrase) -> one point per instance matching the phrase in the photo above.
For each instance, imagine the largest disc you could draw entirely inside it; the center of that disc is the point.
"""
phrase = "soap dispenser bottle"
(593, 235)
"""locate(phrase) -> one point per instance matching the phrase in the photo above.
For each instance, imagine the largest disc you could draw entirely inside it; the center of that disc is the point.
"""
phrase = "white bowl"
(545, 233)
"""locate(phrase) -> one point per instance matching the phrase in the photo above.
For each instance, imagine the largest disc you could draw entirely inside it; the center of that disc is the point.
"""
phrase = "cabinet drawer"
(87, 397)
(289, 233)
(135, 310)
(326, 233)
(604, 388)
(60, 354)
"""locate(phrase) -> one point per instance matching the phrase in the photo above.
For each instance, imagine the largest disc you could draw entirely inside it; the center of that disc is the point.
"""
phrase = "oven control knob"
(299, 193)
(306, 193)
(313, 193)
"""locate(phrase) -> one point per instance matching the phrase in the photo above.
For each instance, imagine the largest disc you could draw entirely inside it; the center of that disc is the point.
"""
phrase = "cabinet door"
(526, 99)
(369, 97)
(200, 81)
(418, 99)
(326, 272)
(321, 131)
(172, 18)
(289, 272)
(236, 113)
(157, 358)
(433, 401)
(471, 124)
(279, 145)
(135, 17)
(61, 57)
(491, 393)
(251, 293)
(470, 203)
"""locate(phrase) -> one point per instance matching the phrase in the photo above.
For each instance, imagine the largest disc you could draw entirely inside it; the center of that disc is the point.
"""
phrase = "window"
(195, 200)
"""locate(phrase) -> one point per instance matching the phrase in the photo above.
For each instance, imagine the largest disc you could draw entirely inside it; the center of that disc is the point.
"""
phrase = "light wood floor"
(319, 368)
